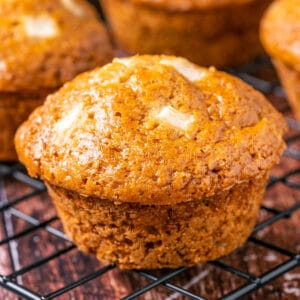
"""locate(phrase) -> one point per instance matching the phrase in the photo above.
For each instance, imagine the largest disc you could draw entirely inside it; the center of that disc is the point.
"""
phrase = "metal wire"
(16, 173)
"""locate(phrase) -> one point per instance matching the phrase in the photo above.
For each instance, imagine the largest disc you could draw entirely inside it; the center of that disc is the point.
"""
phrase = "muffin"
(208, 32)
(43, 44)
(154, 162)
(280, 35)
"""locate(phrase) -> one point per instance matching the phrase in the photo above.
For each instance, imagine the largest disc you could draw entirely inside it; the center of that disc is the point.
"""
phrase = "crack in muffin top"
(153, 130)
(45, 43)
(280, 31)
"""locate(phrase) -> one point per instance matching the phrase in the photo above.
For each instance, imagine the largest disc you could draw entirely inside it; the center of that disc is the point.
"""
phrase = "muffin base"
(14, 109)
(225, 36)
(160, 236)
(290, 79)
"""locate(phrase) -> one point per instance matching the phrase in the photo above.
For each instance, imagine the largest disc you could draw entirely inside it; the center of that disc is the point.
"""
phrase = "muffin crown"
(280, 31)
(45, 43)
(184, 5)
(152, 129)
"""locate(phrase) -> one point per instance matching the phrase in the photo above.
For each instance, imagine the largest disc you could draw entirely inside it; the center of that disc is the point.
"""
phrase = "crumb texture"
(290, 79)
(280, 31)
(139, 236)
(208, 32)
(143, 130)
(46, 43)
(190, 4)
(14, 109)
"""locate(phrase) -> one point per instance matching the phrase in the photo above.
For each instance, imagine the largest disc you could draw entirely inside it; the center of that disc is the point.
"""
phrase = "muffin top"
(184, 5)
(45, 43)
(280, 31)
(151, 129)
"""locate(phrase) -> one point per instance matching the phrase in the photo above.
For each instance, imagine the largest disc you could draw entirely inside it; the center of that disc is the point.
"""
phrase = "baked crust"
(152, 130)
(43, 44)
(290, 79)
(184, 5)
(280, 32)
(139, 236)
(221, 33)
(15, 109)
(280, 35)
(46, 43)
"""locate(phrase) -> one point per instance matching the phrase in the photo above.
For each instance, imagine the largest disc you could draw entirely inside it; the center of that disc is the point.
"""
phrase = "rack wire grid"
(15, 181)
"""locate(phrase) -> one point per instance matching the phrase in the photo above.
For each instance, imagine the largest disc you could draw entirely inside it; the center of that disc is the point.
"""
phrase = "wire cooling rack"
(19, 208)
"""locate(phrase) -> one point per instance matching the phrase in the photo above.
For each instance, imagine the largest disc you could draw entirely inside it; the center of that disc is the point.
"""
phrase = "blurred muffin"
(153, 162)
(208, 32)
(280, 35)
(43, 44)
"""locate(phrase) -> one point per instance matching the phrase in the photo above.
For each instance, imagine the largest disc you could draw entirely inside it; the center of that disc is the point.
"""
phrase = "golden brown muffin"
(154, 162)
(208, 32)
(43, 44)
(280, 35)
(14, 109)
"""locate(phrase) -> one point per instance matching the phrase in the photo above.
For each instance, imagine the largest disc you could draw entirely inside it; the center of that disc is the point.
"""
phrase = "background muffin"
(280, 35)
(153, 162)
(208, 32)
(43, 44)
